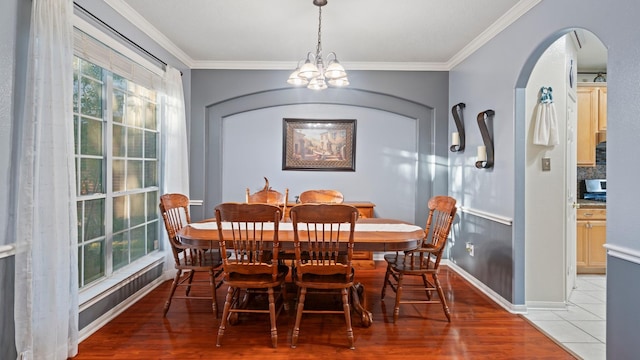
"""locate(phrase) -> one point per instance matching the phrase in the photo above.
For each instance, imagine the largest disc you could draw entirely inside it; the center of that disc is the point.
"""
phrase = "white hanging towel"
(545, 131)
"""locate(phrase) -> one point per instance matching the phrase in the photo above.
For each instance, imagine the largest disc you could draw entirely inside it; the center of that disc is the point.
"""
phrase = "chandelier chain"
(319, 45)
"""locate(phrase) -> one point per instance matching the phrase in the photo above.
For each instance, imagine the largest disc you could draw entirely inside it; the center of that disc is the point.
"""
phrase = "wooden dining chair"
(423, 261)
(321, 197)
(188, 259)
(250, 233)
(322, 235)
(269, 196)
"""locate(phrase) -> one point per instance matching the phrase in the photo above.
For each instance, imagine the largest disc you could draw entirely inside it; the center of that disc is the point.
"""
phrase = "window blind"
(93, 50)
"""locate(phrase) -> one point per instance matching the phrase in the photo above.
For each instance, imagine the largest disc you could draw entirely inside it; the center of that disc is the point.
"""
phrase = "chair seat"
(256, 280)
(207, 259)
(391, 258)
(334, 281)
(410, 264)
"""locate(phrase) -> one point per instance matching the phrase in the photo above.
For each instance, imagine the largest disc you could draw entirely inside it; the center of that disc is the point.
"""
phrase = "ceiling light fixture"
(313, 73)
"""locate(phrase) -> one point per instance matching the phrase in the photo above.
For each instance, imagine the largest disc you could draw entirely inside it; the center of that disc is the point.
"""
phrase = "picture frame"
(321, 145)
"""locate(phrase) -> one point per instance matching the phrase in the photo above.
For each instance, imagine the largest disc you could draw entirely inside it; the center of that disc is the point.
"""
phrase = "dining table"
(370, 234)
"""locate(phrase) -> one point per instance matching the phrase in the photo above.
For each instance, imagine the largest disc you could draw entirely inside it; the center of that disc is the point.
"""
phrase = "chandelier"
(313, 73)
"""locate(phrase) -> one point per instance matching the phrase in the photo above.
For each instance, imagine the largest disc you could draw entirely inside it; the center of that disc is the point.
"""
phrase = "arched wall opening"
(543, 199)
(426, 183)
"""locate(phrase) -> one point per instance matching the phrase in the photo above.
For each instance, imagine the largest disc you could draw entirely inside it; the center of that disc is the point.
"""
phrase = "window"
(117, 159)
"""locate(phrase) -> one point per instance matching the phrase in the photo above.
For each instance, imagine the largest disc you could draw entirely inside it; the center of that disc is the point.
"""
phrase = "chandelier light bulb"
(317, 83)
(296, 80)
(340, 82)
(309, 70)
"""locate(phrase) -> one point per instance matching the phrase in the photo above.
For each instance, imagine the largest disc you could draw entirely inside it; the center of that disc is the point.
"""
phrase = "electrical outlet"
(546, 164)
(470, 249)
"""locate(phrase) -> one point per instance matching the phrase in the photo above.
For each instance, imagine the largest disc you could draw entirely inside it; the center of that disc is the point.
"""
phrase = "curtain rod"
(121, 35)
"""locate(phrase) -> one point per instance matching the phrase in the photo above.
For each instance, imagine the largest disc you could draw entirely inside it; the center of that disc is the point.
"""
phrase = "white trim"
(493, 217)
(623, 252)
(91, 30)
(514, 309)
(103, 289)
(141, 23)
(7, 250)
(521, 8)
(546, 305)
(290, 65)
(94, 326)
(196, 202)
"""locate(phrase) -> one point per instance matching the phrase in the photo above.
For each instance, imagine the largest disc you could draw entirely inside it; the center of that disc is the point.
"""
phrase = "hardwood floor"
(479, 329)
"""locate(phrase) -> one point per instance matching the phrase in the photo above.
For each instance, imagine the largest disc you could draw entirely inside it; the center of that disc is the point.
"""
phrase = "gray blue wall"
(246, 92)
(218, 94)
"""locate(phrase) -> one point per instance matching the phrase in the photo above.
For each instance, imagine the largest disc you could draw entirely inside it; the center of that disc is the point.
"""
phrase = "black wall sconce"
(485, 153)
(457, 138)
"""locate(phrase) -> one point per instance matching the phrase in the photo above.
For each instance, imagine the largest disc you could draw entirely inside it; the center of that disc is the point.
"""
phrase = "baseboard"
(118, 309)
(497, 298)
(546, 305)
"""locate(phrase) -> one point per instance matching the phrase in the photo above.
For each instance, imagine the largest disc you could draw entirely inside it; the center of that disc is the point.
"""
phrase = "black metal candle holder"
(456, 110)
(486, 138)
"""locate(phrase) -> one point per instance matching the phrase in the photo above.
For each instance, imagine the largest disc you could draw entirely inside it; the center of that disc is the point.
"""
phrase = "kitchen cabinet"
(602, 109)
(592, 119)
(590, 238)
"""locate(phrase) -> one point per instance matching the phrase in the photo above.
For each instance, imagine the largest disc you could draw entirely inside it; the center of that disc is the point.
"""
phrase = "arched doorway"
(551, 193)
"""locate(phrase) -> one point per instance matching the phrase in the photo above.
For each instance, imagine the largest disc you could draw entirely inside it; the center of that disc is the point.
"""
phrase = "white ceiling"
(365, 34)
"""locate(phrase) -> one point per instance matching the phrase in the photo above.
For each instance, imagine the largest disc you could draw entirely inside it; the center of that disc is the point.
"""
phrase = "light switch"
(546, 164)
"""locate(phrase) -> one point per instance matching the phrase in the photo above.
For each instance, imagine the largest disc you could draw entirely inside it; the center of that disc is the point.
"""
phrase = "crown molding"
(288, 65)
(521, 8)
(141, 23)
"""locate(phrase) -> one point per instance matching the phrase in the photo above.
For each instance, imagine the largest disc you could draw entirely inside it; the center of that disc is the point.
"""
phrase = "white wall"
(545, 195)
(385, 165)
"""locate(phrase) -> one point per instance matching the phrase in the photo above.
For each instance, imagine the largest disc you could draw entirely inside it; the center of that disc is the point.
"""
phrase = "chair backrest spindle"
(323, 238)
(250, 233)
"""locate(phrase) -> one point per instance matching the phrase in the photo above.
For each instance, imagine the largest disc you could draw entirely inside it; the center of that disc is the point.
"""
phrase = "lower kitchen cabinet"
(590, 237)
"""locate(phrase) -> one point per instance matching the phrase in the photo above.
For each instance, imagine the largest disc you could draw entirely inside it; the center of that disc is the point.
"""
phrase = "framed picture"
(328, 145)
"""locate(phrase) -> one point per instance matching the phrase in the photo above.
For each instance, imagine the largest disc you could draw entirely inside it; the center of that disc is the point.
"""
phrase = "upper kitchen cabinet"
(592, 118)
(602, 108)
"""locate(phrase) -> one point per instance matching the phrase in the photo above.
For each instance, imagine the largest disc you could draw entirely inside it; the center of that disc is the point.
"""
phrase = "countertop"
(587, 204)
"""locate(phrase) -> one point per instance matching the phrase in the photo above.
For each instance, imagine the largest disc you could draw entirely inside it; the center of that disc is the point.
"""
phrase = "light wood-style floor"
(479, 329)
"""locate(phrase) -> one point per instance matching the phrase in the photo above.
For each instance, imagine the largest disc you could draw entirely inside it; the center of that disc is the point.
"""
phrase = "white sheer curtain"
(175, 147)
(45, 229)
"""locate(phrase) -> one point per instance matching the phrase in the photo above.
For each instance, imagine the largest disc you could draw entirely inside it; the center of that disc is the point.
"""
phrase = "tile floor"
(581, 328)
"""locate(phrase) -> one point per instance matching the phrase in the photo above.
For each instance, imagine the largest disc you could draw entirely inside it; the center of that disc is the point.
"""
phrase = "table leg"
(359, 304)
